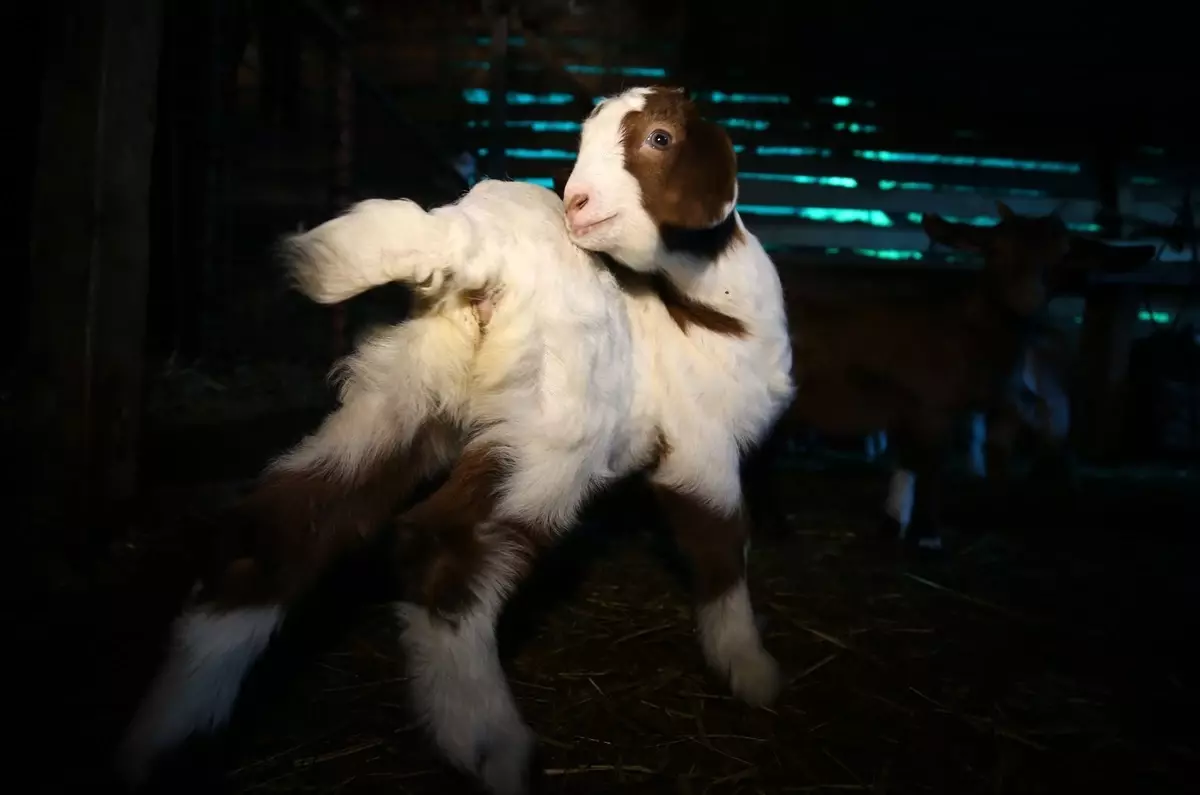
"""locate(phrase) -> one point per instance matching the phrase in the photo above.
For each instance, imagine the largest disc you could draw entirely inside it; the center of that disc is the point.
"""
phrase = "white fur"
(977, 459)
(196, 689)
(729, 637)
(901, 492)
(1041, 376)
(459, 687)
(572, 379)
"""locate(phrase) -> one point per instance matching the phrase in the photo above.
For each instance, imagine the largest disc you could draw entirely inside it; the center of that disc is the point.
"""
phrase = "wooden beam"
(90, 253)
(343, 168)
(498, 94)
(1109, 323)
(582, 90)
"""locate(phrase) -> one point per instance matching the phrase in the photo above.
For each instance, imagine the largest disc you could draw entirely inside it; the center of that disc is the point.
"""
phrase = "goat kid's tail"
(376, 242)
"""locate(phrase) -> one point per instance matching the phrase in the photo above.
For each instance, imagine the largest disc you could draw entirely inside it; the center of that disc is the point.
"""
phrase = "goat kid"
(917, 368)
(666, 351)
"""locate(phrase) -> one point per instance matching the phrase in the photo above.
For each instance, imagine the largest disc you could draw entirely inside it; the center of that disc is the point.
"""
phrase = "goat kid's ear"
(1089, 254)
(964, 237)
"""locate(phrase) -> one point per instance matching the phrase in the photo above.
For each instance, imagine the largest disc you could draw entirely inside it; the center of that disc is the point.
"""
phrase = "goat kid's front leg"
(913, 506)
(717, 544)
(459, 567)
(380, 241)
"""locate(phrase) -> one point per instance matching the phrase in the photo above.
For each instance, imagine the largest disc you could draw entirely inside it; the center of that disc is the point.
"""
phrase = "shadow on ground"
(1049, 651)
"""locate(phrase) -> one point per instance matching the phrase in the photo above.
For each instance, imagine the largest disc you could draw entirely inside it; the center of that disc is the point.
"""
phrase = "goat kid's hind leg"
(379, 241)
(717, 545)
(327, 494)
(296, 523)
(459, 568)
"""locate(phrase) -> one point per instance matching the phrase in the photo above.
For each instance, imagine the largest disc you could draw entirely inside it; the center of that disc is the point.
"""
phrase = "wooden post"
(90, 254)
(498, 90)
(1109, 322)
(343, 165)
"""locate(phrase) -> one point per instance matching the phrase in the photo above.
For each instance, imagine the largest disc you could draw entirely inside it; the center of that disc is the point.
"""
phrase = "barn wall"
(828, 177)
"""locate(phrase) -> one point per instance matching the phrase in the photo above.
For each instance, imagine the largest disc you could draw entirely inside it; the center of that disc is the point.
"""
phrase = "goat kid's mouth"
(580, 230)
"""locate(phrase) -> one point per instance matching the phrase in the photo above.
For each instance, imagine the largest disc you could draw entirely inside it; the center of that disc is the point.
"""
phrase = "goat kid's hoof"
(926, 543)
(505, 765)
(754, 677)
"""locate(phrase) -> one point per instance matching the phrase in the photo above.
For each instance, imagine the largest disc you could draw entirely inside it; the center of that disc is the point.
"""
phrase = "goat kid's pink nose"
(575, 202)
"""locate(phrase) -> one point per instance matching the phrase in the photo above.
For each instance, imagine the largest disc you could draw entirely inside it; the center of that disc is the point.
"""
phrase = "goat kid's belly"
(553, 385)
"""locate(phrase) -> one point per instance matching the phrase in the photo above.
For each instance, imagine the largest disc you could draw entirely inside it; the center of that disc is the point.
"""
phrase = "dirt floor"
(1047, 651)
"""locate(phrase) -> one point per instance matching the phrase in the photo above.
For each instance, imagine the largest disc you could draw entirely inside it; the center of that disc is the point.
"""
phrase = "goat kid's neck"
(730, 279)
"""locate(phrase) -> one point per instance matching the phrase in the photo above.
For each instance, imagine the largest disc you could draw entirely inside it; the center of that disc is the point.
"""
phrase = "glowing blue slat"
(578, 68)
(1157, 317)
(743, 99)
(896, 254)
(891, 184)
(513, 41)
(854, 127)
(835, 215)
(533, 154)
(845, 102)
(968, 161)
(800, 179)
(481, 96)
(538, 125)
(545, 182)
(1032, 193)
(991, 220)
(745, 124)
(889, 253)
(793, 151)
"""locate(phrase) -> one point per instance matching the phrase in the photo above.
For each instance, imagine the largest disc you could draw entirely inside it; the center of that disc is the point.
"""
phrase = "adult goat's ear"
(964, 237)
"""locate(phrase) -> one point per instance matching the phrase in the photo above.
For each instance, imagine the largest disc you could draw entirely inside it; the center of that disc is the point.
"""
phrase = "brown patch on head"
(1021, 253)
(684, 310)
(444, 542)
(685, 164)
(714, 544)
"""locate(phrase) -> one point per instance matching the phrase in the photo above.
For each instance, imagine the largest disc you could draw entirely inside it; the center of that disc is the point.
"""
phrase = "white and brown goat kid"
(665, 351)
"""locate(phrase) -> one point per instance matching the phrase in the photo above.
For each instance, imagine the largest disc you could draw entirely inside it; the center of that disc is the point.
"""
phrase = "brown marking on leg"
(294, 523)
(714, 544)
(446, 541)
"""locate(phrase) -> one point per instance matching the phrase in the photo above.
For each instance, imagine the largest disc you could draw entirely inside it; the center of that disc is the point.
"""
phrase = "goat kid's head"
(652, 178)
(1019, 253)
(1029, 259)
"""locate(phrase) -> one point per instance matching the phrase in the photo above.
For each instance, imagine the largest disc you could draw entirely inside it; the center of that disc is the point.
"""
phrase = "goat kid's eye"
(659, 139)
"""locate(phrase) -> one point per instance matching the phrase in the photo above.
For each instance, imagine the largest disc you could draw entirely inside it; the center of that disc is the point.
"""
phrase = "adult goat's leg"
(325, 495)
(923, 454)
(764, 501)
(459, 567)
(717, 544)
